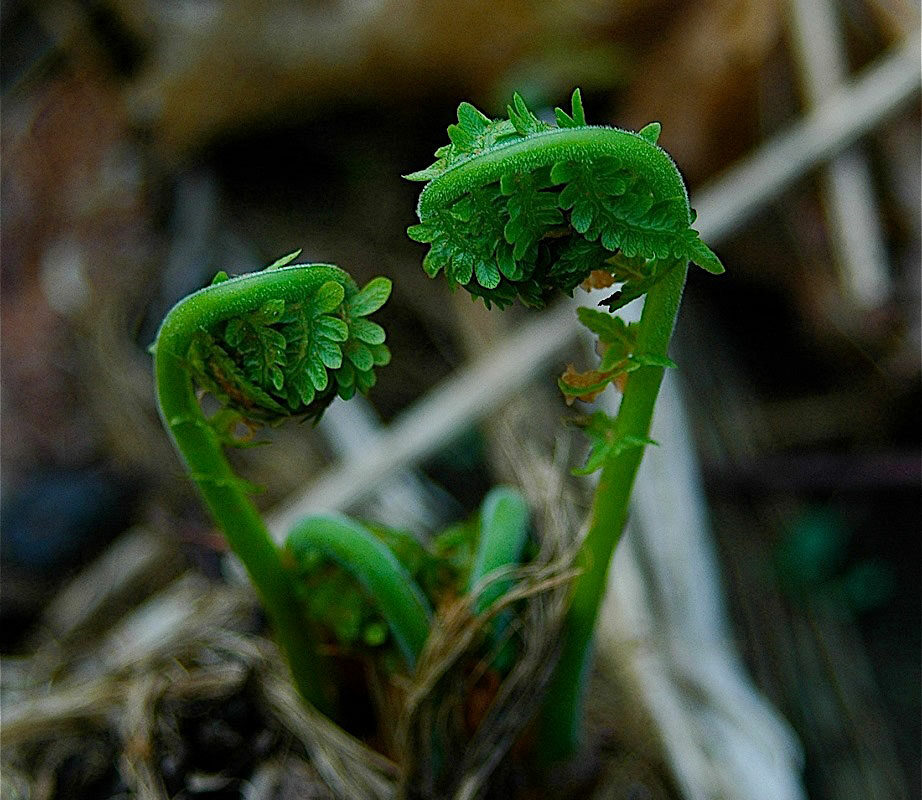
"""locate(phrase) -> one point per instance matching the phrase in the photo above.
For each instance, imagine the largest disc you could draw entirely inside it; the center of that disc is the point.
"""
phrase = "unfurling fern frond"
(291, 354)
(519, 208)
(268, 345)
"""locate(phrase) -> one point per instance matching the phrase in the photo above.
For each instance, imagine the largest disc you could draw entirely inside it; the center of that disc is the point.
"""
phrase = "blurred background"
(147, 145)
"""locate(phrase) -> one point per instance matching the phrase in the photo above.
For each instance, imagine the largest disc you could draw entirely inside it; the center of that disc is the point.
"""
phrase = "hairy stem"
(562, 710)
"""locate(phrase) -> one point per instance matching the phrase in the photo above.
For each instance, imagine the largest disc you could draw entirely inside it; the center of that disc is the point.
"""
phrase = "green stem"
(397, 595)
(201, 449)
(562, 710)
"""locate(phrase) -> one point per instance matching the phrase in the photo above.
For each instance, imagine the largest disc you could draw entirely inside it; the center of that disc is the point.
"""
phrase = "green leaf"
(589, 192)
(317, 371)
(605, 445)
(364, 380)
(284, 260)
(471, 127)
(508, 266)
(359, 355)
(423, 232)
(371, 297)
(473, 120)
(426, 174)
(300, 388)
(259, 348)
(330, 353)
(487, 273)
(701, 255)
(522, 119)
(576, 259)
(214, 370)
(380, 355)
(650, 132)
(633, 289)
(565, 171)
(610, 329)
(576, 118)
(454, 250)
(474, 133)
(309, 352)
(532, 211)
(345, 375)
(332, 328)
(329, 297)
(367, 331)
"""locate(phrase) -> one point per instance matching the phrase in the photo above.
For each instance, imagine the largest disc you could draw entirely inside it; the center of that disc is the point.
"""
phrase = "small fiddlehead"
(291, 355)
(517, 207)
(504, 528)
(357, 550)
(503, 533)
(268, 345)
(404, 578)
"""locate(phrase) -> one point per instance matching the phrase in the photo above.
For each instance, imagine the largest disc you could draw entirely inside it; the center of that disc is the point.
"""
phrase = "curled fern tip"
(292, 338)
(519, 208)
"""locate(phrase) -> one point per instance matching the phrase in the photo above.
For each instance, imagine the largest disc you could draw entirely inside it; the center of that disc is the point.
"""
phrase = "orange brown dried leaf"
(598, 279)
(580, 379)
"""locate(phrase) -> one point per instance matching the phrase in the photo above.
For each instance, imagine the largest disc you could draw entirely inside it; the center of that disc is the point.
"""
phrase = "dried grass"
(113, 696)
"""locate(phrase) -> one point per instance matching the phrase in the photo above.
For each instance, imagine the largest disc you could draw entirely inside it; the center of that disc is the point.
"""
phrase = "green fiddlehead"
(503, 533)
(519, 208)
(504, 527)
(401, 578)
(290, 356)
(268, 345)
(398, 597)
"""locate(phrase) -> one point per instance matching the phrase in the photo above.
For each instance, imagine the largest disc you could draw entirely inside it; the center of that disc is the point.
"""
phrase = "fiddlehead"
(268, 345)
(356, 549)
(290, 355)
(401, 578)
(519, 208)
(503, 533)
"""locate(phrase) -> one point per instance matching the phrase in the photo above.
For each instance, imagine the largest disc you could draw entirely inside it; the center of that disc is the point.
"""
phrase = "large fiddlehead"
(268, 345)
(518, 207)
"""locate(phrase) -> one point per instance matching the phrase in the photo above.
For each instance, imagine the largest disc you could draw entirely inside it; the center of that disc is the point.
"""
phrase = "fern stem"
(201, 449)
(560, 732)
